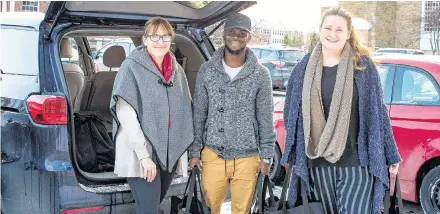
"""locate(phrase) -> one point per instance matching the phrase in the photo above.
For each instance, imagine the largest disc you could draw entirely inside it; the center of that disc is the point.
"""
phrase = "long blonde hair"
(358, 48)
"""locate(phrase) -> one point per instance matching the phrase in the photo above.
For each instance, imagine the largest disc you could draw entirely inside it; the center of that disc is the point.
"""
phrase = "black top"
(350, 156)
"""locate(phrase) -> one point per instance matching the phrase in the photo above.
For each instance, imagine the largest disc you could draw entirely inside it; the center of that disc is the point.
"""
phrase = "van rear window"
(19, 50)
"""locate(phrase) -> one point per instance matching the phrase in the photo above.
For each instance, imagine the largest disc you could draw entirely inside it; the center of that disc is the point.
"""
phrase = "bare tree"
(287, 41)
(257, 29)
(432, 26)
(314, 38)
(216, 36)
(297, 40)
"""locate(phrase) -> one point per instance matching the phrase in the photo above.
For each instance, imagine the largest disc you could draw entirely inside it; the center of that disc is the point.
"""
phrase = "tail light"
(277, 64)
(278, 82)
(48, 110)
(83, 210)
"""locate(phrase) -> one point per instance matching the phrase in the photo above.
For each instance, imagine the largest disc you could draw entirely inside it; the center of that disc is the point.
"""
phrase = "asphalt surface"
(409, 207)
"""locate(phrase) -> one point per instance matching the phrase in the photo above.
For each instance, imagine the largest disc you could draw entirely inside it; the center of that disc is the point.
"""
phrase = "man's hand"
(195, 162)
(263, 168)
(394, 168)
(149, 169)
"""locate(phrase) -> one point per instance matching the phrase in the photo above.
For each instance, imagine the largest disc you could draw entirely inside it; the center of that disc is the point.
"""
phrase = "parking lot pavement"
(409, 207)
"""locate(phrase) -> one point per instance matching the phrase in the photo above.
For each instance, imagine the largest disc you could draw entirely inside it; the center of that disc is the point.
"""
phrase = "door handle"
(9, 158)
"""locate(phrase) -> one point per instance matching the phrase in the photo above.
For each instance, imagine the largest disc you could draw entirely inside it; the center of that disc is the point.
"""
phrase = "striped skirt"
(342, 190)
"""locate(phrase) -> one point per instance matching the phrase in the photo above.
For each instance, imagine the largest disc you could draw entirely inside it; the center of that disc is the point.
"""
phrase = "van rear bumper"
(76, 197)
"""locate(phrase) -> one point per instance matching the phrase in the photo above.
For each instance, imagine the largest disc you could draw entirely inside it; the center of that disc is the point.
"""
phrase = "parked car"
(280, 62)
(39, 167)
(393, 51)
(127, 44)
(411, 92)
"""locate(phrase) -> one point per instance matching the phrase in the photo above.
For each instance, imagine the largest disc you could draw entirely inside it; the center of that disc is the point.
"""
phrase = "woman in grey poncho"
(151, 107)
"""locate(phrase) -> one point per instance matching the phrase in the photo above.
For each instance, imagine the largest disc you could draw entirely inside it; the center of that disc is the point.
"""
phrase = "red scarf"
(166, 72)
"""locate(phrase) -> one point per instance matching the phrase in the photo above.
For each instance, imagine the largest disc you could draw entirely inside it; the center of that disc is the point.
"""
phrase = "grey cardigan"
(234, 117)
(141, 85)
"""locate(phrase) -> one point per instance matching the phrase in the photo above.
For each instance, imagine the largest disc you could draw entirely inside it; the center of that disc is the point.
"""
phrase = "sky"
(294, 14)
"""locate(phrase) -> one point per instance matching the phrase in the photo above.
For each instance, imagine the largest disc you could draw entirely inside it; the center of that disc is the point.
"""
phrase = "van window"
(19, 50)
(75, 53)
(18, 61)
(101, 44)
(126, 47)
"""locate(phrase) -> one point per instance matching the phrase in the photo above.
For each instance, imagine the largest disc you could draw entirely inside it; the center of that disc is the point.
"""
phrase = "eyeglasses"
(156, 38)
(237, 33)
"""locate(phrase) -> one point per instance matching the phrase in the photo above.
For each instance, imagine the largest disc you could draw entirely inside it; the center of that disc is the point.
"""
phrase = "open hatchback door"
(198, 14)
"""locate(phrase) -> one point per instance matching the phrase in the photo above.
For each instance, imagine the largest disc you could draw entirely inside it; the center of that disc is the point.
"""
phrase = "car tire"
(276, 173)
(429, 193)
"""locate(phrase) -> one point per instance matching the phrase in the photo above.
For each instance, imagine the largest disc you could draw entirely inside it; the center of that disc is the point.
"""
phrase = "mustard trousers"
(238, 174)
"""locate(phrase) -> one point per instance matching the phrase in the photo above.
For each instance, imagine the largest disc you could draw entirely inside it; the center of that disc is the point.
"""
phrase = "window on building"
(30, 6)
(431, 15)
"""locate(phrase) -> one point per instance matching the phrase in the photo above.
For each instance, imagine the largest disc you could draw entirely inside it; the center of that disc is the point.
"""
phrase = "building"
(430, 11)
(24, 6)
(394, 24)
(263, 33)
(273, 32)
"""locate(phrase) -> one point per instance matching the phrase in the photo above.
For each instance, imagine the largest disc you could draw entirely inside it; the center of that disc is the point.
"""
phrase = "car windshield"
(291, 55)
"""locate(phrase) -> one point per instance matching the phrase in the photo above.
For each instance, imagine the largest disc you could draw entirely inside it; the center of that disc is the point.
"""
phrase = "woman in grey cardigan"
(151, 107)
(338, 131)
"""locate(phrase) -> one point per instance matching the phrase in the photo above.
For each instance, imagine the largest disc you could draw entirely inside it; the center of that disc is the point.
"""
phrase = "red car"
(412, 94)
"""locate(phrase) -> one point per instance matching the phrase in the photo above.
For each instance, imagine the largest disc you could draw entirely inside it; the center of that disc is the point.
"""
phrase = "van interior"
(90, 91)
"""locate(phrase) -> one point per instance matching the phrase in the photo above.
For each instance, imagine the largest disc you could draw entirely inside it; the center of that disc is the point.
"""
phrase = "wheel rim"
(435, 195)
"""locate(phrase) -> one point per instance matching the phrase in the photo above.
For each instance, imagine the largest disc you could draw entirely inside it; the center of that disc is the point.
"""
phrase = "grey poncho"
(155, 101)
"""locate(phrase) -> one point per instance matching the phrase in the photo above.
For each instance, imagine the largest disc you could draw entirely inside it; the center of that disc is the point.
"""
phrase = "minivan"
(41, 94)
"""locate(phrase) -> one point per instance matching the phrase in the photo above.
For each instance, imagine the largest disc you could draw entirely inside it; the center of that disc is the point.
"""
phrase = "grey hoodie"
(233, 117)
(140, 84)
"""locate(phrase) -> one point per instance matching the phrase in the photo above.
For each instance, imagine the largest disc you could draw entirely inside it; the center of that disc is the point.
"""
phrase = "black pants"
(148, 196)
(343, 190)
